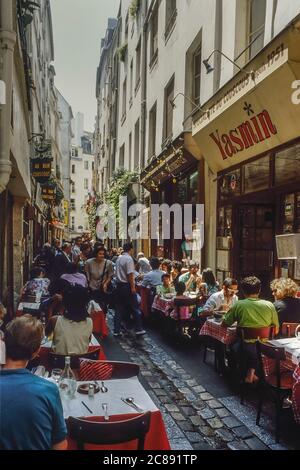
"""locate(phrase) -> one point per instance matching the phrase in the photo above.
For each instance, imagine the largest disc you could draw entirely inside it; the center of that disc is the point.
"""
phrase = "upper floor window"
(124, 99)
(169, 96)
(171, 13)
(86, 183)
(154, 36)
(73, 169)
(152, 131)
(86, 165)
(256, 22)
(126, 26)
(197, 75)
(138, 66)
(122, 156)
(131, 79)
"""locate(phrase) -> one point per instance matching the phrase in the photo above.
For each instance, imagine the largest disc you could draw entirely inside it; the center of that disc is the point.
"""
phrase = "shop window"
(182, 191)
(289, 213)
(224, 228)
(230, 185)
(257, 175)
(287, 166)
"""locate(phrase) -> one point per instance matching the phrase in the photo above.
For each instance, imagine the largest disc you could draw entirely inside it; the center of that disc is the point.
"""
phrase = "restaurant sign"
(245, 135)
(41, 164)
(48, 193)
(253, 113)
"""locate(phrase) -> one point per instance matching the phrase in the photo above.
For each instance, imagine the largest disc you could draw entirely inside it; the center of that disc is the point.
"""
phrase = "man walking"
(127, 306)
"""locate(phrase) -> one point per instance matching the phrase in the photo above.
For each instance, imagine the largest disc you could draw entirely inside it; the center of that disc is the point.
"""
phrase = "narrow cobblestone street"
(199, 410)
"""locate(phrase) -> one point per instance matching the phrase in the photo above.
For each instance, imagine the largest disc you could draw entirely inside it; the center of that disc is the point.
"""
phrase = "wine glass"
(56, 375)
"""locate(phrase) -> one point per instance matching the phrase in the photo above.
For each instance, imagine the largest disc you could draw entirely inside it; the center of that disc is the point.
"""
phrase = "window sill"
(153, 61)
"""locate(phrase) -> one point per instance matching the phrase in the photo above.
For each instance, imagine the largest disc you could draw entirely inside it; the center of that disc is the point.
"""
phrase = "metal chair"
(84, 431)
(58, 360)
(289, 329)
(104, 370)
(279, 383)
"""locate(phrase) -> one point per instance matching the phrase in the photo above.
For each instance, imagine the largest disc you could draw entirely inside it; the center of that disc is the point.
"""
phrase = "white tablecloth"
(117, 389)
(291, 346)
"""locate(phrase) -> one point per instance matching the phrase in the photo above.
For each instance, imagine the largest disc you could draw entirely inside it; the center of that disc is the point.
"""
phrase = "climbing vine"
(134, 8)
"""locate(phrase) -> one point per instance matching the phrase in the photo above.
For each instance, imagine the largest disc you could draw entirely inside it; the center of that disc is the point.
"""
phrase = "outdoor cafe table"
(292, 350)
(47, 346)
(163, 305)
(215, 330)
(156, 439)
(166, 305)
(228, 335)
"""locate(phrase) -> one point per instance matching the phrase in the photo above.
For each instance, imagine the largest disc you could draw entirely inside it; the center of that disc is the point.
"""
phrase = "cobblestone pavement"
(194, 419)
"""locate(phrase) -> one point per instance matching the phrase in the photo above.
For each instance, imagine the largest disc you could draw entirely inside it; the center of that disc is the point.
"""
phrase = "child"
(165, 288)
(182, 313)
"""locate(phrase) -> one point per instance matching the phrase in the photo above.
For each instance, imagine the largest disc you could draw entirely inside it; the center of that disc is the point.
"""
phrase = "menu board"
(288, 246)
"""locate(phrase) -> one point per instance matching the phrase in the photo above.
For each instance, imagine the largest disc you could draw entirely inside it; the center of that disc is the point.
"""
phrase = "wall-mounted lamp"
(210, 68)
(172, 102)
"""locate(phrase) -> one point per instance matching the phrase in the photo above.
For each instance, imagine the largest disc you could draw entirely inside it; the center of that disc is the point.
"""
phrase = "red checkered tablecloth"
(163, 305)
(223, 334)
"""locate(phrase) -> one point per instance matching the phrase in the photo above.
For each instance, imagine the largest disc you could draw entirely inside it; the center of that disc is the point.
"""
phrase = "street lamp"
(210, 68)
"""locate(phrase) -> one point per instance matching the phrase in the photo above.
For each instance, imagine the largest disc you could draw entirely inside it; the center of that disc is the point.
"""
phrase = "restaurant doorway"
(256, 225)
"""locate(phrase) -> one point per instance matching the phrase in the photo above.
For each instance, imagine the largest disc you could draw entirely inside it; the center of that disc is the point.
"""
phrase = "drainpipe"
(7, 44)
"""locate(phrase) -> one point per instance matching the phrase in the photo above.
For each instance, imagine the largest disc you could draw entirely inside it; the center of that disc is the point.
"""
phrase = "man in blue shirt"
(30, 406)
(154, 278)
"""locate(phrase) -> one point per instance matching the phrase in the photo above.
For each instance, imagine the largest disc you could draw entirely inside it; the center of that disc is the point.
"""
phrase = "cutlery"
(130, 402)
(105, 408)
(103, 388)
(87, 407)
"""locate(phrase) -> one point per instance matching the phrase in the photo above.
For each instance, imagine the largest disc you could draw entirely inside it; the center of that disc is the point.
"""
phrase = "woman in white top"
(73, 330)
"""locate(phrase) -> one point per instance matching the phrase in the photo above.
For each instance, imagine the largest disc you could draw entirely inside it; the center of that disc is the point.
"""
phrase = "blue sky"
(78, 27)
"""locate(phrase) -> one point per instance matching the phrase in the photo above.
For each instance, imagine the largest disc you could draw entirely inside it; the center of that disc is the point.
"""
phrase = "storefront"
(174, 178)
(250, 138)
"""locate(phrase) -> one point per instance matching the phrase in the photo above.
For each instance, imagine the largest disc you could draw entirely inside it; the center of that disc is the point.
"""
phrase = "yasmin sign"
(255, 130)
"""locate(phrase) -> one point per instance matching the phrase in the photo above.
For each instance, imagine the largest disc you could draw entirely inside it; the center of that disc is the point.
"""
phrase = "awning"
(250, 116)
(181, 155)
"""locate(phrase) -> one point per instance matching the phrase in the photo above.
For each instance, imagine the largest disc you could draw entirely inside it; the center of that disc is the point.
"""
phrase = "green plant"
(134, 8)
(91, 207)
(121, 51)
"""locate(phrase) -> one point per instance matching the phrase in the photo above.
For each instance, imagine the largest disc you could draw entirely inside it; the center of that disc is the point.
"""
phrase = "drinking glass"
(56, 375)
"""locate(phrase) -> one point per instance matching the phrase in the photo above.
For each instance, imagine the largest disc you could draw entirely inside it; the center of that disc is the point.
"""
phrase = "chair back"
(146, 298)
(107, 370)
(58, 360)
(270, 352)
(248, 333)
(289, 329)
(109, 433)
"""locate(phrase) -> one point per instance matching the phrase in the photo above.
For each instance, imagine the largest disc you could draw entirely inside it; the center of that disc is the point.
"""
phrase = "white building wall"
(81, 193)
